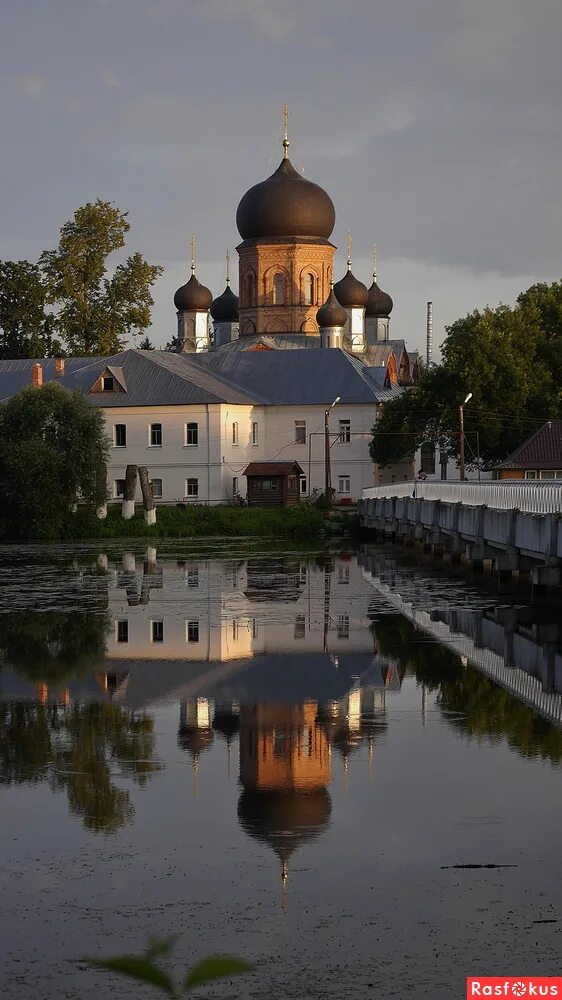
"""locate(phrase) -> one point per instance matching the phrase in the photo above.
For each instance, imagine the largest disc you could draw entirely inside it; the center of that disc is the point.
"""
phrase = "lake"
(344, 767)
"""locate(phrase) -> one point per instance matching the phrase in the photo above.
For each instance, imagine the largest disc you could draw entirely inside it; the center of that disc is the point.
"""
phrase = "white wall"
(217, 458)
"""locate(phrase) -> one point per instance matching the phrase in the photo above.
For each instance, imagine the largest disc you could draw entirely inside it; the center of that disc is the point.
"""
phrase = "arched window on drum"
(309, 289)
(251, 288)
(278, 289)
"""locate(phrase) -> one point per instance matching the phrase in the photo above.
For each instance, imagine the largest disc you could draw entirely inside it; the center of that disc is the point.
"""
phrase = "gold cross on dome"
(374, 261)
(349, 241)
(285, 131)
(228, 267)
(193, 254)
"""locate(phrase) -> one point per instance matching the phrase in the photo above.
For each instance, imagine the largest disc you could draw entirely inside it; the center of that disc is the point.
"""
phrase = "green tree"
(510, 359)
(26, 327)
(97, 311)
(146, 344)
(53, 450)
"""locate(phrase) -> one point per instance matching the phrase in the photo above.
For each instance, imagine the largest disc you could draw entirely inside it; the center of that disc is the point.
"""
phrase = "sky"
(435, 126)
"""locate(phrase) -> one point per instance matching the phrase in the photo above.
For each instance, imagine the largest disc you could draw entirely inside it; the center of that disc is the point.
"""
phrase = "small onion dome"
(224, 309)
(331, 313)
(379, 303)
(192, 297)
(350, 292)
(285, 205)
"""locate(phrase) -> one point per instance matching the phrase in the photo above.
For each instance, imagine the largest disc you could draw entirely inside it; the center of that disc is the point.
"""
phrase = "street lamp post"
(327, 461)
(461, 417)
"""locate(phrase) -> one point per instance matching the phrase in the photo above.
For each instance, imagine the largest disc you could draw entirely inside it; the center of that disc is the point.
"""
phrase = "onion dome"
(224, 309)
(284, 819)
(193, 297)
(379, 303)
(331, 313)
(285, 205)
(350, 292)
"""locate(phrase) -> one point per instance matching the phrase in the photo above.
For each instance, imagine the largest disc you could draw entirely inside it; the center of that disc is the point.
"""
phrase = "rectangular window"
(234, 485)
(123, 631)
(107, 383)
(343, 574)
(157, 631)
(530, 475)
(120, 436)
(343, 626)
(343, 484)
(192, 631)
(156, 488)
(235, 433)
(547, 474)
(345, 431)
(427, 458)
(300, 431)
(299, 627)
(192, 578)
(303, 484)
(155, 436)
(192, 488)
(234, 629)
(254, 433)
(191, 435)
(119, 489)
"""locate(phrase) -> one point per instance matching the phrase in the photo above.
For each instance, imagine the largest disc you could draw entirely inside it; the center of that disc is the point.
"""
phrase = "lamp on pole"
(327, 462)
(461, 416)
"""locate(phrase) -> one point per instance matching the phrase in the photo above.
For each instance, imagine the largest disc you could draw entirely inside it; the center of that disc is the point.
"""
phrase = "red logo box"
(513, 986)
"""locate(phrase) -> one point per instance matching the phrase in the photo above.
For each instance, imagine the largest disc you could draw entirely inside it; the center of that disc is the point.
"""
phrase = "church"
(252, 375)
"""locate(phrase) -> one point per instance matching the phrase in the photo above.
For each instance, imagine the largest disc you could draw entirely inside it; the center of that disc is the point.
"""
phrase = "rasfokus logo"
(514, 986)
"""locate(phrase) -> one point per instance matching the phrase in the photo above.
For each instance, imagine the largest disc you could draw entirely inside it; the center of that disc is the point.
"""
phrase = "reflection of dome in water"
(195, 740)
(284, 820)
(226, 724)
(348, 740)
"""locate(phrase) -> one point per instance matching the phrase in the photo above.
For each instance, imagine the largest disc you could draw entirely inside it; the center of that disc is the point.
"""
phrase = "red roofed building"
(539, 457)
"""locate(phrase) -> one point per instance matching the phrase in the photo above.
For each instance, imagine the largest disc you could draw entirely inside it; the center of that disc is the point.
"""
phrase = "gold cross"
(193, 254)
(228, 267)
(285, 130)
(349, 249)
(374, 261)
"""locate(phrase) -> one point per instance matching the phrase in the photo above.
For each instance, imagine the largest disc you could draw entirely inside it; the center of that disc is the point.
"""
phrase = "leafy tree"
(95, 311)
(146, 344)
(53, 449)
(26, 327)
(511, 361)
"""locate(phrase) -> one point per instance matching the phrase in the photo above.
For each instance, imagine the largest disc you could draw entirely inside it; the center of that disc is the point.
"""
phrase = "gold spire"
(285, 131)
(349, 249)
(193, 254)
(228, 267)
(374, 261)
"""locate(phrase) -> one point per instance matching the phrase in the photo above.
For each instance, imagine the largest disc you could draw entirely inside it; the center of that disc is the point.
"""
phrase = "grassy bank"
(303, 523)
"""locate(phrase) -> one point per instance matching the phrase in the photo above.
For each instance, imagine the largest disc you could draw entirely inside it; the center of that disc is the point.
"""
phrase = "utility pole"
(461, 422)
(327, 457)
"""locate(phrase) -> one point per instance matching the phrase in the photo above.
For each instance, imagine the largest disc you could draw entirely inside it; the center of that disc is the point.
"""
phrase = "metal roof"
(543, 450)
(311, 377)
(273, 469)
(161, 378)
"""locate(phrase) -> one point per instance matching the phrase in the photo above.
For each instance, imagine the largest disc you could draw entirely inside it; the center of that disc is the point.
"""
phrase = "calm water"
(286, 757)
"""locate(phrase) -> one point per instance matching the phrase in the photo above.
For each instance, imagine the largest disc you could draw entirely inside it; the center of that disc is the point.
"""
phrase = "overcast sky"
(435, 125)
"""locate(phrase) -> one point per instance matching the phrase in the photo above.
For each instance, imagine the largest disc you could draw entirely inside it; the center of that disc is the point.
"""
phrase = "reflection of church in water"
(286, 755)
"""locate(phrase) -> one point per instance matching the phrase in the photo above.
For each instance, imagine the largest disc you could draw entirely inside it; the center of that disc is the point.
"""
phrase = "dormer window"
(107, 383)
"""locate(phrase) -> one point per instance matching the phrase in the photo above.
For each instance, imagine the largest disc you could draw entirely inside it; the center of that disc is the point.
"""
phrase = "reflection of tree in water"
(473, 703)
(73, 749)
(52, 647)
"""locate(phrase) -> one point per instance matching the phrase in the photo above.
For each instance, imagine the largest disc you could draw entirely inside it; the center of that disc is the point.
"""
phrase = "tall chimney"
(59, 366)
(429, 344)
(37, 376)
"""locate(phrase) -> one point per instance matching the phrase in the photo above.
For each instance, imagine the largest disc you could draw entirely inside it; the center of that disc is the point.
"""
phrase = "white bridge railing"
(520, 494)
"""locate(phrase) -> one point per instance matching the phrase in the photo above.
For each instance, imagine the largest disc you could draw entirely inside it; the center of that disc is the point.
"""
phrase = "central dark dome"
(285, 205)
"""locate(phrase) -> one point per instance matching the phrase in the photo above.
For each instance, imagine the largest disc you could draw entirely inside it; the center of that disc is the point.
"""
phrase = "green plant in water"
(145, 969)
